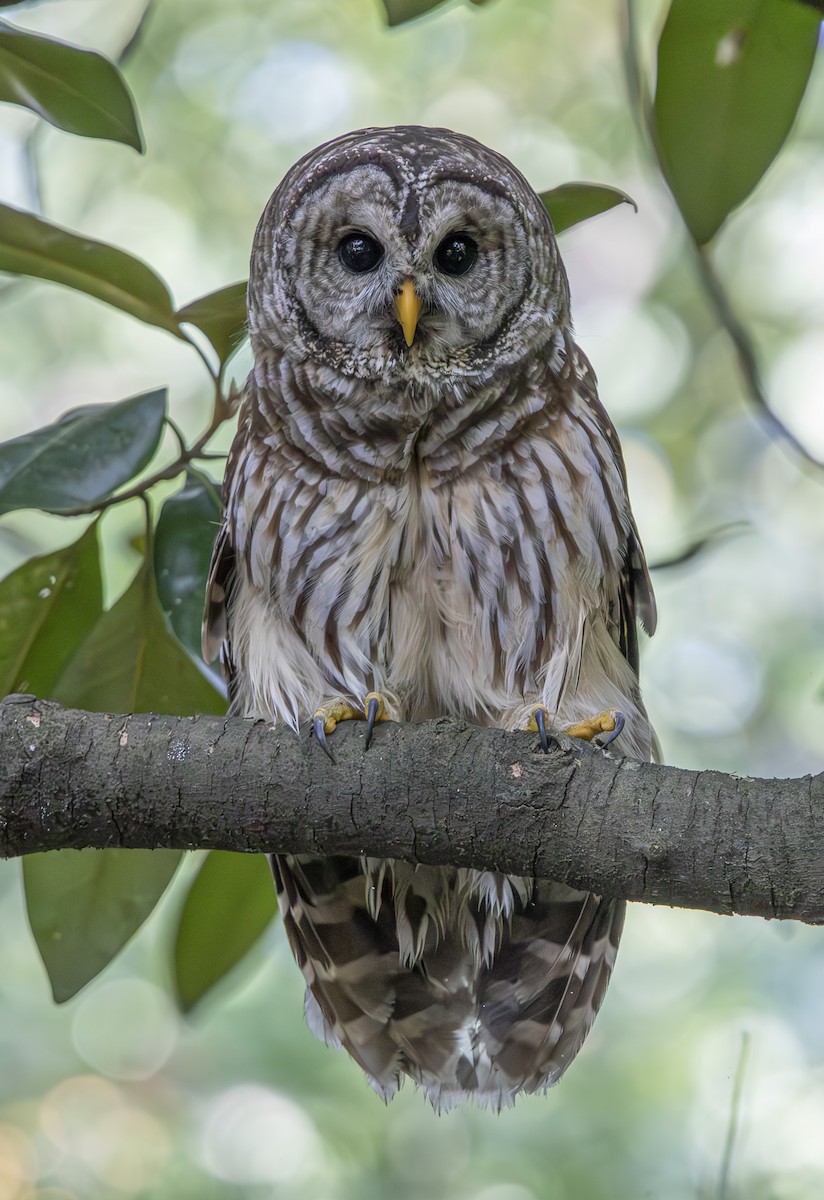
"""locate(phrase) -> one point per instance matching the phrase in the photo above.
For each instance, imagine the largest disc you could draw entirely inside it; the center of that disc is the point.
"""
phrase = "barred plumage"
(447, 524)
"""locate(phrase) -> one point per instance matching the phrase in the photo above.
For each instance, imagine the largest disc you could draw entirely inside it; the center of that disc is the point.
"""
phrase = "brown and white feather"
(446, 524)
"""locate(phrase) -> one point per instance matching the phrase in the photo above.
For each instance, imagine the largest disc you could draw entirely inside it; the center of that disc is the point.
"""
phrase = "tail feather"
(476, 985)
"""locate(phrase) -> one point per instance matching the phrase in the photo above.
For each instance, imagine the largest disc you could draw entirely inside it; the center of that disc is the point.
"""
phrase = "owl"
(426, 515)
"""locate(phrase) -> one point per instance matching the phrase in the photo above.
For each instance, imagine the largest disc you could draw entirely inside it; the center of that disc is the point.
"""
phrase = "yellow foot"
(610, 722)
(325, 719)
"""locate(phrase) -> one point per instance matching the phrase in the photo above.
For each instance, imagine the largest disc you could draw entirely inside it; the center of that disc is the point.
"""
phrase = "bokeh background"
(115, 1094)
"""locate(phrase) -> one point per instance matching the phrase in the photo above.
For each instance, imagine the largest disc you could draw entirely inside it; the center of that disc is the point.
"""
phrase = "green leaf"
(398, 11)
(76, 90)
(84, 905)
(230, 904)
(731, 76)
(31, 246)
(131, 663)
(572, 203)
(47, 608)
(221, 316)
(183, 543)
(82, 458)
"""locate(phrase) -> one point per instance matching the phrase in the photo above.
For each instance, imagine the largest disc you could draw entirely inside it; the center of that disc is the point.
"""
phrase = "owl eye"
(359, 253)
(456, 254)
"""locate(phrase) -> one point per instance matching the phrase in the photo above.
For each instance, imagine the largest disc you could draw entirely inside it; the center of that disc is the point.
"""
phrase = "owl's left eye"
(456, 254)
(359, 253)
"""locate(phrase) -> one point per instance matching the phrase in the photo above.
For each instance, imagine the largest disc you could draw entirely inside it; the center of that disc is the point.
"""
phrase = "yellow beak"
(408, 308)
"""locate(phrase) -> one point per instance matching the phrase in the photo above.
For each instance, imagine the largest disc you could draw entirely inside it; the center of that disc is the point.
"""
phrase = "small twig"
(745, 350)
(734, 1118)
(176, 430)
(695, 547)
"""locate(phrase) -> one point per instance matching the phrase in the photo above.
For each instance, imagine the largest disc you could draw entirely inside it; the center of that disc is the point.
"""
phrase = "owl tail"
(436, 979)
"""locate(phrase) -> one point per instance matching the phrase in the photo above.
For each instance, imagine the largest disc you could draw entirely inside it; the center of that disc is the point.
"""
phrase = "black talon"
(320, 734)
(372, 710)
(540, 721)
(613, 733)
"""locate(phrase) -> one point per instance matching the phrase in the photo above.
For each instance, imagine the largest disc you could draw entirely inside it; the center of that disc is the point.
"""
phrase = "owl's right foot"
(325, 719)
(540, 721)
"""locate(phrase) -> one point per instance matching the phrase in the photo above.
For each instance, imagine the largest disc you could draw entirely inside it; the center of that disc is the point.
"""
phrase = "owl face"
(405, 251)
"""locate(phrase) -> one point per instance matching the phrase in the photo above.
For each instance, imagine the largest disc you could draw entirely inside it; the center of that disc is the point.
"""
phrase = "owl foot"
(539, 721)
(325, 719)
(610, 722)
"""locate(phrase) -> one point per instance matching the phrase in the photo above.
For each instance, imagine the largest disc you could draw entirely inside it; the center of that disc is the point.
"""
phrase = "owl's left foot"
(610, 722)
(325, 719)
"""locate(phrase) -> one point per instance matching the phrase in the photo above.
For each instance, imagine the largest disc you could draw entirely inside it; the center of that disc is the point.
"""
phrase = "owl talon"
(325, 719)
(620, 722)
(540, 721)
(537, 724)
(319, 730)
(375, 711)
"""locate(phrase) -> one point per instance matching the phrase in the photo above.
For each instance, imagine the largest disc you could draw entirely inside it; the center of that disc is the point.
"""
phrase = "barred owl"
(426, 514)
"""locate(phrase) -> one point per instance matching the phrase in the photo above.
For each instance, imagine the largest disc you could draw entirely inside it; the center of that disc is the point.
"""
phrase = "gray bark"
(441, 792)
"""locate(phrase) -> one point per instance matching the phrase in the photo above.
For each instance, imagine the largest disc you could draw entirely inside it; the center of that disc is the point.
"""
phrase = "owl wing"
(215, 631)
(633, 602)
(632, 599)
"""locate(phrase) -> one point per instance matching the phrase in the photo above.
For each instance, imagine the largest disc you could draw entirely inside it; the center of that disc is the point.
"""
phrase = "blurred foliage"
(105, 615)
(84, 905)
(74, 89)
(729, 81)
(228, 907)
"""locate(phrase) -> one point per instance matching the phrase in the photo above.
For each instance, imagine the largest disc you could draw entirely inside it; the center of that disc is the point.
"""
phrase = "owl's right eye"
(359, 253)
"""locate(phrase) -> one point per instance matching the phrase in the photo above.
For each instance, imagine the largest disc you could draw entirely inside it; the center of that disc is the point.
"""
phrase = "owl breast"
(461, 626)
(463, 595)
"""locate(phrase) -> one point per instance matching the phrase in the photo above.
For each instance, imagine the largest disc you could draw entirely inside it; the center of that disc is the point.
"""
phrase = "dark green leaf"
(47, 608)
(84, 905)
(572, 203)
(184, 538)
(221, 316)
(32, 246)
(730, 79)
(83, 457)
(398, 11)
(131, 663)
(77, 90)
(229, 905)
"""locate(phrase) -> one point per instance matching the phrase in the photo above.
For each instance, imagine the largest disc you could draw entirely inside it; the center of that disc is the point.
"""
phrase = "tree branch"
(441, 792)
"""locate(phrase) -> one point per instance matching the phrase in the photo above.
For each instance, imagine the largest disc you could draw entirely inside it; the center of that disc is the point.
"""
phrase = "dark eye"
(360, 253)
(456, 254)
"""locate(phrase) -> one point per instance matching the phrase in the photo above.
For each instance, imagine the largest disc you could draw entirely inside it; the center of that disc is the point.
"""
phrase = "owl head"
(405, 253)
